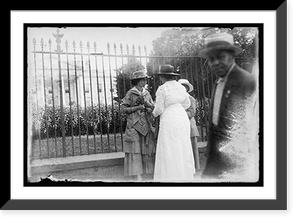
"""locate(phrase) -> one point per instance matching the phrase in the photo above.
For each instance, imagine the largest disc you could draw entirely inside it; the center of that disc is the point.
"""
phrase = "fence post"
(58, 50)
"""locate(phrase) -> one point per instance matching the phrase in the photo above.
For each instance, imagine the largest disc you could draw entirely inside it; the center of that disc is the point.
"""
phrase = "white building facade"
(83, 85)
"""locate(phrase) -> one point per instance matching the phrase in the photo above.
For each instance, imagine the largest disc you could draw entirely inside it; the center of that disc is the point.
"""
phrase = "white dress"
(174, 155)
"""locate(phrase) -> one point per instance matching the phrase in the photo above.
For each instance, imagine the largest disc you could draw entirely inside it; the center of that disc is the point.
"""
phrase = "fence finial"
(50, 44)
(42, 43)
(58, 37)
(121, 48)
(88, 46)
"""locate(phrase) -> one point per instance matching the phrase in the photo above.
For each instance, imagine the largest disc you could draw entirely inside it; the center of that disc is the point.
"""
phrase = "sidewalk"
(98, 167)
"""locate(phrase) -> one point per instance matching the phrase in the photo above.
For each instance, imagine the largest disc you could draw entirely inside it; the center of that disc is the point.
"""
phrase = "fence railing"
(75, 93)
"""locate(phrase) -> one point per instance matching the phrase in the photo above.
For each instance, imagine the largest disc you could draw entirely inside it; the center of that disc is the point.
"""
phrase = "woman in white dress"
(174, 154)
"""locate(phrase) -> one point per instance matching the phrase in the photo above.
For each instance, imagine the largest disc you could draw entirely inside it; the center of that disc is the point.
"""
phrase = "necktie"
(217, 100)
(218, 96)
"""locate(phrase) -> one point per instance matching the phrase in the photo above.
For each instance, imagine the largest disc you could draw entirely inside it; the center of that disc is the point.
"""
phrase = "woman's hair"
(134, 82)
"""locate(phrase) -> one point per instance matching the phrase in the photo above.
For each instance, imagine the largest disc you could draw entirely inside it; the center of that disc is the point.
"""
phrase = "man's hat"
(140, 74)
(219, 41)
(186, 83)
(166, 70)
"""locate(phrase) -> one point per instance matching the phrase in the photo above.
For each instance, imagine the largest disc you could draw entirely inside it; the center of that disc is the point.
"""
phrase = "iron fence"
(75, 93)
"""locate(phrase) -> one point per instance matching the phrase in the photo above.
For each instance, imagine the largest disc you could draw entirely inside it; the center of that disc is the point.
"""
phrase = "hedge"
(94, 119)
(98, 120)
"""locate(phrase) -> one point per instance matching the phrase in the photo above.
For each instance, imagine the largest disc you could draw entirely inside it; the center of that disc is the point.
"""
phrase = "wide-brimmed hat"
(166, 70)
(140, 74)
(219, 41)
(186, 83)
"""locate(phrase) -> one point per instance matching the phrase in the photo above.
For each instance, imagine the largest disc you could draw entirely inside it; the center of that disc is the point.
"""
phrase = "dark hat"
(219, 41)
(166, 70)
(140, 74)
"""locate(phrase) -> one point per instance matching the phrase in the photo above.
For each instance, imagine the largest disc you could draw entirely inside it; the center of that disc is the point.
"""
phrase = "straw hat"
(219, 41)
(186, 83)
(140, 74)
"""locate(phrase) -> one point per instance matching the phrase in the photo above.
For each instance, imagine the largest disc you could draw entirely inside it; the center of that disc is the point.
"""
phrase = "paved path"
(92, 168)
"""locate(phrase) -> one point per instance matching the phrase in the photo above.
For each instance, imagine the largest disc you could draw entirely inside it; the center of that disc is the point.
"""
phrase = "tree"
(180, 47)
(184, 43)
(124, 75)
(189, 41)
(178, 42)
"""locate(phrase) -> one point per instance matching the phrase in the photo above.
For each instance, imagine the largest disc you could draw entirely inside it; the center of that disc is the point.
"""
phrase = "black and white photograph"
(144, 105)
(148, 110)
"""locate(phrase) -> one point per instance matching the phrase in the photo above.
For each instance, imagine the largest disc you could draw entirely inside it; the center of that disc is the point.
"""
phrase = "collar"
(136, 91)
(221, 79)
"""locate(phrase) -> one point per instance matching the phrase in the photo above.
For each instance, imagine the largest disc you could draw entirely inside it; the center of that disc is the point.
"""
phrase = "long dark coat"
(237, 97)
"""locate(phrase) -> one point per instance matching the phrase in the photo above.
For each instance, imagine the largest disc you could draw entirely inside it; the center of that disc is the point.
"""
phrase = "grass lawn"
(93, 145)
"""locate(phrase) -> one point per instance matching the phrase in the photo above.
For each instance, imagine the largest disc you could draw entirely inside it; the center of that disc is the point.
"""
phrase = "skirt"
(142, 158)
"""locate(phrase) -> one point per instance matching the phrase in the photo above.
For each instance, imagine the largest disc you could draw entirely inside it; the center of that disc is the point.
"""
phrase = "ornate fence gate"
(74, 94)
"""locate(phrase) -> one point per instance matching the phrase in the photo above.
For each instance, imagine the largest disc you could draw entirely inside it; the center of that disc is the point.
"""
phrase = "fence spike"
(80, 44)
(108, 46)
(121, 48)
(115, 47)
(34, 41)
(50, 44)
(139, 49)
(145, 49)
(88, 45)
(74, 44)
(67, 44)
(95, 46)
(42, 44)
(127, 48)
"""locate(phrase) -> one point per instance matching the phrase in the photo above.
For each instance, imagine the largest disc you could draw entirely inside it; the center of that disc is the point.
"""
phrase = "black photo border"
(47, 182)
(280, 203)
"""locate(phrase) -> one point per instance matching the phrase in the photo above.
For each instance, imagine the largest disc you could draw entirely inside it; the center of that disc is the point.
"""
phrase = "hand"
(148, 104)
(140, 100)
(148, 109)
(140, 107)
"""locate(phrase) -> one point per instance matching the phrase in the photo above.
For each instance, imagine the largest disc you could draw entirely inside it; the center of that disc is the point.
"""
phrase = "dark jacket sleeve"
(127, 104)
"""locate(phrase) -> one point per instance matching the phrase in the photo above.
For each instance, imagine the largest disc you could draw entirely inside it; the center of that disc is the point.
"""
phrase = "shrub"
(94, 119)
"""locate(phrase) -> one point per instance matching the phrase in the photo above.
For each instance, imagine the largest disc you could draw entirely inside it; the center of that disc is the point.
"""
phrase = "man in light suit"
(232, 98)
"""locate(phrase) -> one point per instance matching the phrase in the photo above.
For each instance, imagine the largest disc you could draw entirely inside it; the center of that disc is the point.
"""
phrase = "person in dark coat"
(231, 103)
